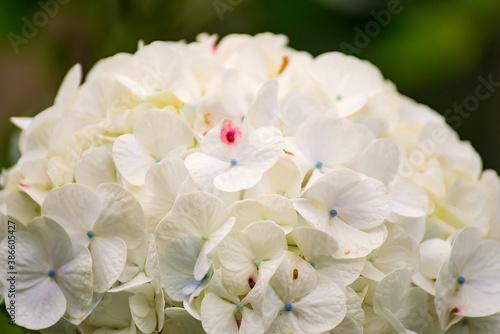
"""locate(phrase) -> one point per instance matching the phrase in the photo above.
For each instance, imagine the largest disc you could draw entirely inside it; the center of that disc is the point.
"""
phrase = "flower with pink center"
(230, 133)
(232, 158)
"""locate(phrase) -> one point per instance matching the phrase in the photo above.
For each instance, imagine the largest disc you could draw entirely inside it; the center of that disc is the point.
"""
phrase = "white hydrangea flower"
(224, 312)
(353, 321)
(52, 274)
(233, 159)
(317, 248)
(243, 186)
(164, 182)
(107, 222)
(433, 253)
(399, 251)
(203, 216)
(249, 259)
(467, 284)
(157, 135)
(327, 142)
(348, 82)
(178, 261)
(140, 268)
(283, 179)
(350, 208)
(276, 208)
(489, 324)
(147, 307)
(300, 301)
(95, 167)
(400, 307)
(473, 204)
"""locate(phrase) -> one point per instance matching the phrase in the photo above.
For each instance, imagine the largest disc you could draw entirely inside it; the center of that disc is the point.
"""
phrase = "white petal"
(131, 160)
(40, 306)
(251, 322)
(381, 160)
(352, 79)
(108, 256)
(353, 322)
(204, 169)
(433, 253)
(294, 278)
(121, 216)
(398, 251)
(276, 208)
(69, 87)
(261, 149)
(21, 122)
(362, 203)
(409, 200)
(95, 167)
(264, 109)
(235, 252)
(217, 315)
(334, 142)
(313, 242)
(137, 281)
(238, 178)
(268, 239)
(75, 281)
(160, 131)
(317, 214)
(196, 213)
(322, 309)
(390, 290)
(21, 207)
(165, 178)
(74, 206)
(354, 243)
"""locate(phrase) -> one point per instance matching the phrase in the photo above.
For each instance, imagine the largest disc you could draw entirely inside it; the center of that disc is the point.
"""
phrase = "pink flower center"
(230, 134)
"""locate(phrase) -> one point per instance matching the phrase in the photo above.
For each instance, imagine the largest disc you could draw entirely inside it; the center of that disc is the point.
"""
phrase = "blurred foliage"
(433, 50)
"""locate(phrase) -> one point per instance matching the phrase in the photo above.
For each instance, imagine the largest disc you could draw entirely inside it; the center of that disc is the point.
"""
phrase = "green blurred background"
(433, 51)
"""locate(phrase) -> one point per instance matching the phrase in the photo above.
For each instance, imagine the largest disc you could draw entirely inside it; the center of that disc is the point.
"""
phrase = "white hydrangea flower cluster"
(245, 187)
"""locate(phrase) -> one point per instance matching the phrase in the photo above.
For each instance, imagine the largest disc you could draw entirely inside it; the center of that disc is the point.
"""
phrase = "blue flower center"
(288, 307)
(372, 259)
(461, 280)
(158, 160)
(312, 263)
(239, 306)
(333, 213)
(141, 268)
(256, 262)
(52, 273)
(90, 234)
(233, 162)
(204, 237)
(319, 164)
